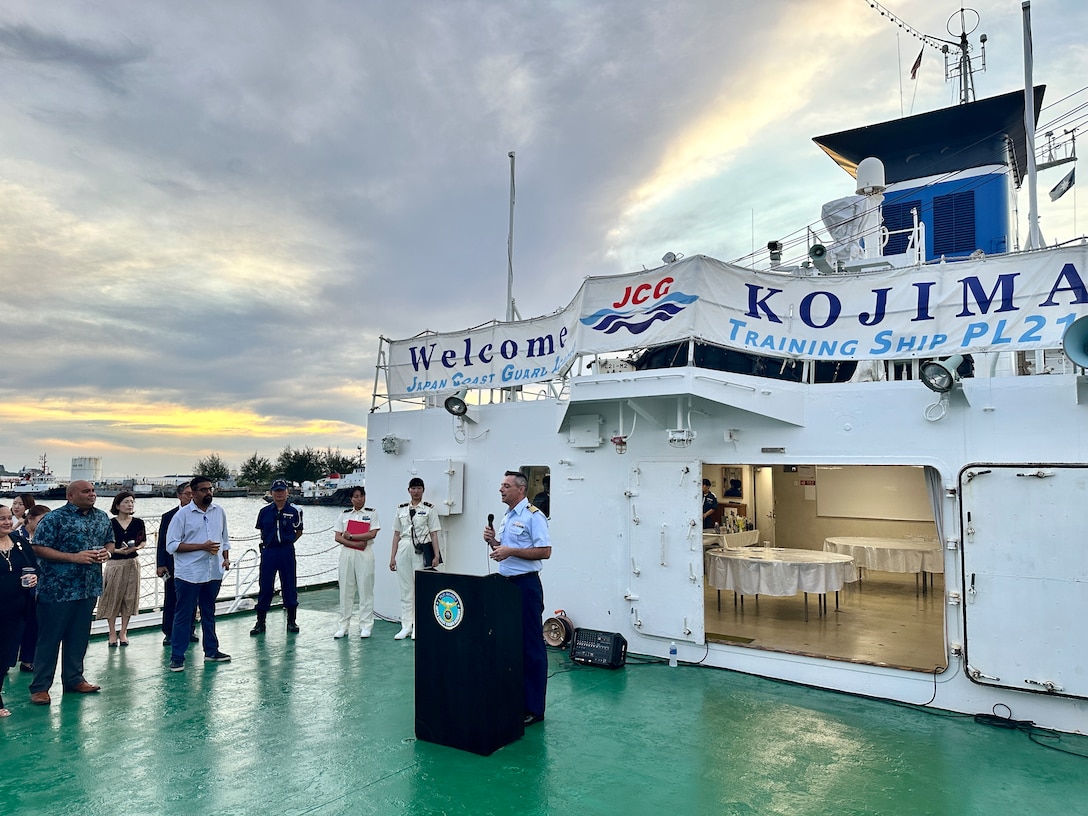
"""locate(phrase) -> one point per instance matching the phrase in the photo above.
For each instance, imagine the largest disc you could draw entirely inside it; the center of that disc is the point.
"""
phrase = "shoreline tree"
(256, 471)
(212, 466)
(302, 465)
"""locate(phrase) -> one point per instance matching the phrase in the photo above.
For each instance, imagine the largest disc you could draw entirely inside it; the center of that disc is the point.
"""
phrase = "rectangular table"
(779, 572)
(731, 541)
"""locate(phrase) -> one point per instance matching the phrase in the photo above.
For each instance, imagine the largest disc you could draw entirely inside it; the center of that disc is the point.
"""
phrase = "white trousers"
(408, 561)
(357, 571)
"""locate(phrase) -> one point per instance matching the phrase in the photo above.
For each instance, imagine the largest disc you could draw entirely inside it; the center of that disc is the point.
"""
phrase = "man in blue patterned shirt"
(71, 542)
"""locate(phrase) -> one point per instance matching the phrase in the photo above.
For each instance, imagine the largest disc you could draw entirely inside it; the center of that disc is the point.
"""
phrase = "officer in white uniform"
(416, 528)
(357, 562)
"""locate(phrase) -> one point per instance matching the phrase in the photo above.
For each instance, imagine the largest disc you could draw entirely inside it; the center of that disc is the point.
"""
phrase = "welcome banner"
(1006, 303)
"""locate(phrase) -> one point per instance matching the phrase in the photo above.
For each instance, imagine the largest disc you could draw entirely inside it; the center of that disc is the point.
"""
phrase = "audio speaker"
(818, 254)
(593, 648)
(1075, 342)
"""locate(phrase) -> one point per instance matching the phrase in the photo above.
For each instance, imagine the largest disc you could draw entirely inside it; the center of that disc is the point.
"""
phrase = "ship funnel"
(1075, 342)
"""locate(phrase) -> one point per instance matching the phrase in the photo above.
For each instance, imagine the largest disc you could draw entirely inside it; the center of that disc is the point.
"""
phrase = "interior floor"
(884, 619)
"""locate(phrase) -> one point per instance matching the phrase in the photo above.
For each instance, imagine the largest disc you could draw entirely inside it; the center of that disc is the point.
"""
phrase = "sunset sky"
(212, 211)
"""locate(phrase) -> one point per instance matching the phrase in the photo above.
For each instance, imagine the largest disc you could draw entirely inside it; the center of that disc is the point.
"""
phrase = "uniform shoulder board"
(369, 509)
(349, 509)
(405, 504)
(428, 504)
(532, 508)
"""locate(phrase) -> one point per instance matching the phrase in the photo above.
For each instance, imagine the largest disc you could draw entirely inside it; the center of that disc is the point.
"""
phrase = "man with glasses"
(198, 540)
(164, 563)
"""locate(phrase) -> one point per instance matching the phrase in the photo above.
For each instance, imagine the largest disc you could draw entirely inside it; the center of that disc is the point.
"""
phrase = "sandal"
(4, 712)
(123, 642)
(112, 644)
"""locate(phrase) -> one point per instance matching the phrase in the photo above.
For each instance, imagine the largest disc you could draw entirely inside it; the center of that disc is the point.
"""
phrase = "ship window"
(898, 216)
(954, 224)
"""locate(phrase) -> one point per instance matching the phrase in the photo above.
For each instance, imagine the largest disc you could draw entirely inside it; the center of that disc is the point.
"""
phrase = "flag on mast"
(1062, 187)
(917, 64)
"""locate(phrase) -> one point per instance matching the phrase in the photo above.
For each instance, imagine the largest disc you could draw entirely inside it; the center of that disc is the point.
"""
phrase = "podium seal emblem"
(448, 609)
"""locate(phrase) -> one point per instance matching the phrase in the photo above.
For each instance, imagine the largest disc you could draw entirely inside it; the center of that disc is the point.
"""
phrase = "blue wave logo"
(637, 321)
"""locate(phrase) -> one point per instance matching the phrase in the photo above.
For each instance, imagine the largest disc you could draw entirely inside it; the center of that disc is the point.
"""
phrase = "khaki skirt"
(120, 588)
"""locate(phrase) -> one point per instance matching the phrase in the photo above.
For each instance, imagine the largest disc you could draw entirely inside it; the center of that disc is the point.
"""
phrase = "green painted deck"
(311, 725)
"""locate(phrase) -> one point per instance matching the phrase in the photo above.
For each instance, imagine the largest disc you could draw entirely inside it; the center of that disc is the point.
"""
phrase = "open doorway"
(861, 540)
(539, 491)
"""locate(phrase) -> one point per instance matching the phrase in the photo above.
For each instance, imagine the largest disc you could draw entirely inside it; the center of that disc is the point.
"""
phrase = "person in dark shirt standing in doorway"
(710, 504)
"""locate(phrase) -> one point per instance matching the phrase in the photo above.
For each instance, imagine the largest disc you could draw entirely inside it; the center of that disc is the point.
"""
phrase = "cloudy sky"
(210, 212)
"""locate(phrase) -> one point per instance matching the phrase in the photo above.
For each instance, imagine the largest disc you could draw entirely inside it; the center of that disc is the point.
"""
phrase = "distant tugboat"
(38, 482)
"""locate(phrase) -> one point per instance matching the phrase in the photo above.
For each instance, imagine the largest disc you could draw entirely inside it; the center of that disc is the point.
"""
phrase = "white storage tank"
(87, 467)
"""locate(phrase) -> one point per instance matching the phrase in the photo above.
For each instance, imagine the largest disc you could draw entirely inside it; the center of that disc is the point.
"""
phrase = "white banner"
(1005, 303)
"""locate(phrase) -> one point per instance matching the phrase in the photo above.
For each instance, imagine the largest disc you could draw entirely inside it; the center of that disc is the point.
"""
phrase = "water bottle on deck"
(672, 654)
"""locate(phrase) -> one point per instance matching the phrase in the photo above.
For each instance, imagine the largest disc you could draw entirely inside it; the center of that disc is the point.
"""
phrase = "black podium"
(469, 690)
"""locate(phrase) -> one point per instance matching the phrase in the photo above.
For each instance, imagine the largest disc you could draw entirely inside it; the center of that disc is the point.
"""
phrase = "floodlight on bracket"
(455, 404)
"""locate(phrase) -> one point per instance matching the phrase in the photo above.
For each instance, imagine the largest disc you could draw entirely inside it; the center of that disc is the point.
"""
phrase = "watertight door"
(666, 537)
(1025, 576)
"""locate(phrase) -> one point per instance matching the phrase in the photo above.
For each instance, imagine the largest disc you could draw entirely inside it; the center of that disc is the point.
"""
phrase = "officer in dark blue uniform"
(280, 524)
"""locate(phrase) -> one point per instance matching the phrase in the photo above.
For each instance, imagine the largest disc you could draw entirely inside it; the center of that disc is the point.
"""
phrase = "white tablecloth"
(776, 571)
(890, 554)
(731, 540)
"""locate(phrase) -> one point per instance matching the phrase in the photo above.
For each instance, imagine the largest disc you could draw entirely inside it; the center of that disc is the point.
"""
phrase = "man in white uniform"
(416, 526)
(356, 530)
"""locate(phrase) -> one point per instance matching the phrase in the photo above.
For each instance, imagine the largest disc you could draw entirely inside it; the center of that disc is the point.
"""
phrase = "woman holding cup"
(25, 534)
(18, 577)
(121, 575)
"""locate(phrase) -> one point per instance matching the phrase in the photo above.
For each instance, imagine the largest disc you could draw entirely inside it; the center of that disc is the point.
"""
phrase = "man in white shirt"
(199, 542)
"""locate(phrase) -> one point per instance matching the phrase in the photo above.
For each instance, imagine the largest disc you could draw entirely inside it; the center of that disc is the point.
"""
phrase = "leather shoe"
(41, 698)
(83, 687)
(532, 719)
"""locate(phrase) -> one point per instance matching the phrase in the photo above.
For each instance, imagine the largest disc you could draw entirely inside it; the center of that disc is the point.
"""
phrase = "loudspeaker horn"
(818, 254)
(1075, 342)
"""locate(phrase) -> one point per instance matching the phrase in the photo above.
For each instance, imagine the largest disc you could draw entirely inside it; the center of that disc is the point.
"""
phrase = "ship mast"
(959, 67)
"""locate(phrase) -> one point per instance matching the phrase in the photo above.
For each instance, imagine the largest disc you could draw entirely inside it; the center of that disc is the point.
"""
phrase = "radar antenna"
(956, 67)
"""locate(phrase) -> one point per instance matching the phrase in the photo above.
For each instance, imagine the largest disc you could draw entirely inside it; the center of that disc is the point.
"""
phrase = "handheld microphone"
(491, 520)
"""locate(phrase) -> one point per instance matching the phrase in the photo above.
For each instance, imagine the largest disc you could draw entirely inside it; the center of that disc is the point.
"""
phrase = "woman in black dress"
(16, 561)
(121, 575)
(25, 534)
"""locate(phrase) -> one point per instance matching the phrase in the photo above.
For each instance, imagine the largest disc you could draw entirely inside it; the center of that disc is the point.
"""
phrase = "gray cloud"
(101, 63)
(232, 201)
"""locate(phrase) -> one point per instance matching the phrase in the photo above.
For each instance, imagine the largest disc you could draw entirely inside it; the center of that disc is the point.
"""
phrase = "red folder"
(357, 527)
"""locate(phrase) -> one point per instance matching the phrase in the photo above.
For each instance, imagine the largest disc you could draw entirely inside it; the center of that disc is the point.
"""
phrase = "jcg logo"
(448, 609)
(665, 305)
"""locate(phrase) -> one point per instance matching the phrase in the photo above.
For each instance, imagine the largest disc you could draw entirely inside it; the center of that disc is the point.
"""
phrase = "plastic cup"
(28, 576)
